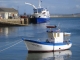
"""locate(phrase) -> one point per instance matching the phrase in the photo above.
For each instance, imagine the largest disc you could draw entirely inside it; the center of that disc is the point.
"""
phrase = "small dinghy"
(56, 41)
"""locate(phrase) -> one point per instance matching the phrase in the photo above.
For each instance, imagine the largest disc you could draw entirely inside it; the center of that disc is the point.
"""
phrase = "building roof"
(8, 10)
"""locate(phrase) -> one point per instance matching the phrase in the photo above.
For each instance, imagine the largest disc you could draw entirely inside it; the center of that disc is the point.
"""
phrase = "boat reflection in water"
(58, 55)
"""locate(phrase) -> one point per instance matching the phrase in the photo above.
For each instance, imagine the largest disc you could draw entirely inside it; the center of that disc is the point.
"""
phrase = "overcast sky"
(54, 6)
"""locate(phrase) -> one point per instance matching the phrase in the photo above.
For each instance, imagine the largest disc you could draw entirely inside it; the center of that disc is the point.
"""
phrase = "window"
(57, 34)
(54, 34)
(35, 10)
(39, 10)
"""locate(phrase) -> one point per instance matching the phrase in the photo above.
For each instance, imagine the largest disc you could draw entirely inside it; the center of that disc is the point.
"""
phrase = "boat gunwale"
(49, 43)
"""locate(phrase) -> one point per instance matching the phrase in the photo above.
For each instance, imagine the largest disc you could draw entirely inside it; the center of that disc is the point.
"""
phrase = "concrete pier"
(14, 22)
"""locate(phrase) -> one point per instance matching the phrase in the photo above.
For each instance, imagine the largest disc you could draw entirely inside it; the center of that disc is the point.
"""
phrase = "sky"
(54, 6)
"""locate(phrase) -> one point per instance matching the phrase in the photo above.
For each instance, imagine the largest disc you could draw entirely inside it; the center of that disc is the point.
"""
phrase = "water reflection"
(7, 30)
(39, 28)
(59, 55)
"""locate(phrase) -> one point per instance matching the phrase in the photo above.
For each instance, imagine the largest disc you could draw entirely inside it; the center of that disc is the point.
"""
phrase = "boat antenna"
(58, 26)
(31, 5)
(40, 3)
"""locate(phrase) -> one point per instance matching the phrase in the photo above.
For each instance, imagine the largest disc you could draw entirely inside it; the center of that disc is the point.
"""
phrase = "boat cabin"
(39, 10)
(56, 35)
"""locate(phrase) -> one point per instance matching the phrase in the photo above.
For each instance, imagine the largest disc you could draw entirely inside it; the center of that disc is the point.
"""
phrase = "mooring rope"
(10, 46)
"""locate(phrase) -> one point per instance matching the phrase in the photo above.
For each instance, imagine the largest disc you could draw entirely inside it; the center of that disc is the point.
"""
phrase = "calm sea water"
(13, 48)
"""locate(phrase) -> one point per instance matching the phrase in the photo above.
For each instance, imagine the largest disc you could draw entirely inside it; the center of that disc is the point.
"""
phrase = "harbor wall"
(14, 22)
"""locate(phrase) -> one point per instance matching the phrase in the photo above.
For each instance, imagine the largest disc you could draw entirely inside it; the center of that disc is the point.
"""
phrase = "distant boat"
(40, 14)
(56, 40)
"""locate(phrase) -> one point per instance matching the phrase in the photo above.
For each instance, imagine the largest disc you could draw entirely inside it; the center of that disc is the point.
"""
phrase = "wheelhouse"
(39, 10)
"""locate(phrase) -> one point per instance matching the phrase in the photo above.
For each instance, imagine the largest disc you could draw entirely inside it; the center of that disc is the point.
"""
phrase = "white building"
(8, 13)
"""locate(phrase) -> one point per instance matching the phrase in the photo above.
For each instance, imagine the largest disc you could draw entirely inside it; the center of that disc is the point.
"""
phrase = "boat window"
(39, 10)
(35, 10)
(57, 34)
(54, 34)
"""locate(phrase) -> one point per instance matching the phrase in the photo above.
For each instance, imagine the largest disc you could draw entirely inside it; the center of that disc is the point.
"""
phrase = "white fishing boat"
(40, 14)
(56, 40)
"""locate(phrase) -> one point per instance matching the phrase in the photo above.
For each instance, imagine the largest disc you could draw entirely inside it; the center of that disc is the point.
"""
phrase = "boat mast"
(39, 3)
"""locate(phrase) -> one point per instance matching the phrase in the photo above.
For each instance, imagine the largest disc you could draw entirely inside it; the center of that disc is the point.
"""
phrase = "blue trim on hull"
(42, 20)
(49, 43)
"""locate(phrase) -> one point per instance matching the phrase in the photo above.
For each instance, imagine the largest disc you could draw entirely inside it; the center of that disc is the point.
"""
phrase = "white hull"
(40, 15)
(33, 46)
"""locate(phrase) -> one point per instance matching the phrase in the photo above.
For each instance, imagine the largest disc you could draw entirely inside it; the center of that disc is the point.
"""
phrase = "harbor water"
(12, 47)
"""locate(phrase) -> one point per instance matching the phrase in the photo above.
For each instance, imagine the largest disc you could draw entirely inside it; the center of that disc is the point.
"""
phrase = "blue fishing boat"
(40, 14)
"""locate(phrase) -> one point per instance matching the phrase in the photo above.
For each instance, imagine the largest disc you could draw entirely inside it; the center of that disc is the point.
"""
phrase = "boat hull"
(39, 20)
(34, 46)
